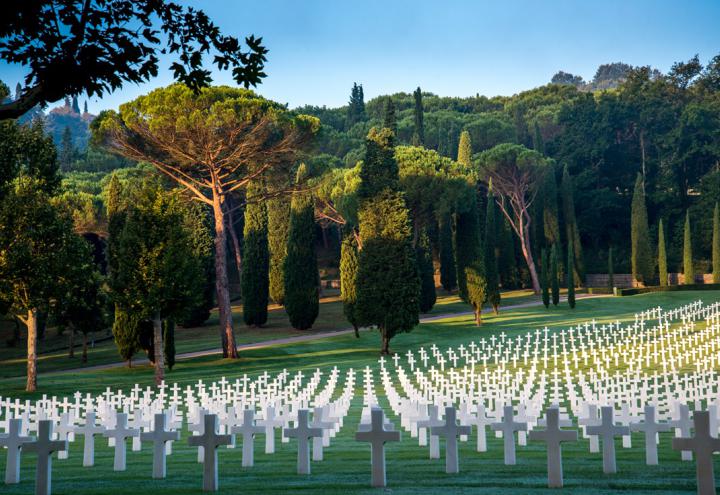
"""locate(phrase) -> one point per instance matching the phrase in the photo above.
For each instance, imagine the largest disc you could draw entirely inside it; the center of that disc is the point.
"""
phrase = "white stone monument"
(13, 441)
(607, 431)
(303, 433)
(159, 436)
(377, 435)
(703, 445)
(44, 447)
(209, 441)
(553, 437)
(451, 431)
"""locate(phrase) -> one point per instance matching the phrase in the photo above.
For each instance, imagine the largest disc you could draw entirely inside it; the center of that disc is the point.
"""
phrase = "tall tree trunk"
(385, 350)
(85, 348)
(159, 348)
(227, 333)
(71, 343)
(527, 252)
(235, 241)
(32, 331)
(478, 315)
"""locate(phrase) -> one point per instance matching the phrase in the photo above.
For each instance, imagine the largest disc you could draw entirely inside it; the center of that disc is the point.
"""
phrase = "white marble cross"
(270, 422)
(651, 428)
(377, 435)
(682, 426)
(44, 447)
(64, 430)
(607, 431)
(248, 430)
(508, 427)
(432, 421)
(481, 421)
(13, 441)
(319, 442)
(209, 441)
(703, 445)
(120, 433)
(303, 433)
(450, 430)
(88, 431)
(553, 436)
(159, 436)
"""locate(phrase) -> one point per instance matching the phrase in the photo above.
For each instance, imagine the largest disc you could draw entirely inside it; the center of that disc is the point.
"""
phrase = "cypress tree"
(507, 261)
(348, 280)
(254, 277)
(716, 245)
(467, 245)
(490, 253)
(544, 278)
(538, 143)
(125, 334)
(464, 155)
(551, 225)
(641, 256)
(418, 138)
(75, 105)
(476, 287)
(688, 269)
(356, 106)
(448, 273)
(423, 255)
(571, 228)
(570, 277)
(278, 226)
(662, 256)
(554, 275)
(85, 110)
(169, 343)
(388, 284)
(67, 151)
(390, 118)
(611, 269)
(301, 270)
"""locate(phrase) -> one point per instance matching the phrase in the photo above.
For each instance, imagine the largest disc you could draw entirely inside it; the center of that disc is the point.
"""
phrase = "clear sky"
(318, 48)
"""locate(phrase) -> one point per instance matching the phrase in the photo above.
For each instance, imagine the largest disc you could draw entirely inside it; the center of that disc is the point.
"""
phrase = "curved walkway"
(302, 338)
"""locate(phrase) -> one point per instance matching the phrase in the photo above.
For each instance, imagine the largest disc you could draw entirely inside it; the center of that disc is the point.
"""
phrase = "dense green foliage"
(554, 275)
(572, 232)
(611, 269)
(464, 153)
(418, 138)
(301, 268)
(448, 272)
(278, 212)
(255, 283)
(570, 276)
(169, 343)
(544, 277)
(348, 280)
(716, 244)
(490, 253)
(688, 266)
(423, 255)
(641, 261)
(662, 255)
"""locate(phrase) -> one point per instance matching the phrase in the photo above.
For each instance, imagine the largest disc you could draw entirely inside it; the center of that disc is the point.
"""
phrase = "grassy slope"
(346, 468)
(331, 318)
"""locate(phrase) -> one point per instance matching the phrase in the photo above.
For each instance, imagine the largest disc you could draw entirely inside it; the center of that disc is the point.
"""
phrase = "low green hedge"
(670, 288)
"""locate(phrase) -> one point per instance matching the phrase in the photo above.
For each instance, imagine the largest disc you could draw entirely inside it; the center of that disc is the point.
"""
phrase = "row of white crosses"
(533, 373)
(485, 379)
(246, 407)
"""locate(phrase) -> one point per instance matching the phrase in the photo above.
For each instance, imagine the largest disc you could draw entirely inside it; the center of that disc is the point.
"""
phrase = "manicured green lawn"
(346, 466)
(54, 355)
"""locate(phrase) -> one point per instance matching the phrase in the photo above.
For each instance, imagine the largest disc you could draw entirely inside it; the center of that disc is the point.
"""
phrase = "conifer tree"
(169, 342)
(611, 269)
(75, 105)
(125, 333)
(551, 225)
(418, 138)
(716, 245)
(641, 255)
(464, 155)
(301, 269)
(67, 150)
(348, 280)
(554, 275)
(688, 268)
(476, 287)
(490, 248)
(388, 284)
(544, 278)
(538, 143)
(254, 277)
(85, 109)
(423, 255)
(571, 227)
(448, 273)
(356, 106)
(570, 277)
(278, 210)
(390, 118)
(662, 256)
(467, 245)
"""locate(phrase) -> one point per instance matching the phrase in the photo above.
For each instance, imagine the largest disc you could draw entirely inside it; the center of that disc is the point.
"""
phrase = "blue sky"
(318, 48)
